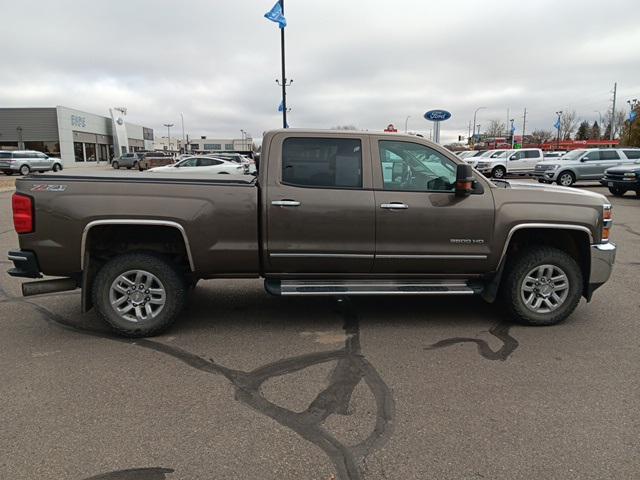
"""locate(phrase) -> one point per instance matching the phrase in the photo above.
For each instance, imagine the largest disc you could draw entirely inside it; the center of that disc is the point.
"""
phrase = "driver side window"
(413, 167)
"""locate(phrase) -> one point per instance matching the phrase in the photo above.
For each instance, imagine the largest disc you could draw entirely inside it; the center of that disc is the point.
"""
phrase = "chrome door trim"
(321, 255)
(557, 226)
(125, 221)
(436, 257)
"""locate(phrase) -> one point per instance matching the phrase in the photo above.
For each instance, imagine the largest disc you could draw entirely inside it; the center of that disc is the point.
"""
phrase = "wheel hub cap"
(137, 295)
(545, 288)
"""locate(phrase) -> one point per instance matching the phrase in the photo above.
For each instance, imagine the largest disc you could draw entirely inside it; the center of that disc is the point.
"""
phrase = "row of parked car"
(563, 168)
(220, 163)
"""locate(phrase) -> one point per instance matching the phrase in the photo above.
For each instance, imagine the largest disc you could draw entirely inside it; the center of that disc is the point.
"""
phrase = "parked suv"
(584, 164)
(522, 161)
(26, 161)
(127, 160)
(619, 180)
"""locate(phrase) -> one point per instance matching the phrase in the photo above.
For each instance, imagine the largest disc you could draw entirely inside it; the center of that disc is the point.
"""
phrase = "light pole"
(406, 124)
(168, 125)
(559, 113)
(183, 144)
(474, 119)
(513, 131)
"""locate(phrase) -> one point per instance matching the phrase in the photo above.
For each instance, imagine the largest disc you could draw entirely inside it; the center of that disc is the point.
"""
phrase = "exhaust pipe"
(48, 286)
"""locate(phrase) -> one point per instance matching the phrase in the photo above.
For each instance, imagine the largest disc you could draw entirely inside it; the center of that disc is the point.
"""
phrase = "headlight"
(630, 175)
(607, 222)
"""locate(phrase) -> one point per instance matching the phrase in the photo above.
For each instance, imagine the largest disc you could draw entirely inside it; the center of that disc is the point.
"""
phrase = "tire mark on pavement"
(351, 369)
(500, 331)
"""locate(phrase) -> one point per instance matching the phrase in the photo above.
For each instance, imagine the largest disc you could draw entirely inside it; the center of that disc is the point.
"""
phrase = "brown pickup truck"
(330, 213)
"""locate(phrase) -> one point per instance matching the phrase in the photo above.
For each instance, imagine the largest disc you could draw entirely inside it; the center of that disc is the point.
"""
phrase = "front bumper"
(603, 257)
(25, 265)
(548, 175)
(631, 184)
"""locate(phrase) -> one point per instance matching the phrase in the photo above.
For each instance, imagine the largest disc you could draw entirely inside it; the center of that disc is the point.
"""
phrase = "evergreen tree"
(583, 131)
(595, 131)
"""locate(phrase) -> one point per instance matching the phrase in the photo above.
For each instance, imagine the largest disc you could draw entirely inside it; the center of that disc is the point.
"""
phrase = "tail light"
(607, 222)
(22, 213)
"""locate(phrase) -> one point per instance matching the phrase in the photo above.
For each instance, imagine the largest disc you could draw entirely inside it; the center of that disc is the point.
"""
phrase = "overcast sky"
(366, 63)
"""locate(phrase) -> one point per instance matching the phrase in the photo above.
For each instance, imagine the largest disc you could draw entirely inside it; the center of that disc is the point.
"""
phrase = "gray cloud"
(363, 63)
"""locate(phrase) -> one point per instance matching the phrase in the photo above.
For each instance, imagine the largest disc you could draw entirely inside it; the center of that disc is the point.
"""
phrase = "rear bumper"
(25, 265)
(603, 257)
(13, 166)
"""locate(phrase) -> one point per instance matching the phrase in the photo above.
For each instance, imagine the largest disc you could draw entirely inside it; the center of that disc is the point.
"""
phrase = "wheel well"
(573, 242)
(103, 242)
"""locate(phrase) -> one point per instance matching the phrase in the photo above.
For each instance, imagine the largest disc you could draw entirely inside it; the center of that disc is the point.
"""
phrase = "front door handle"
(285, 203)
(395, 206)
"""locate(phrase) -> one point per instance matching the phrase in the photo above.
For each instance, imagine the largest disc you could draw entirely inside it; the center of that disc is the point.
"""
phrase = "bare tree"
(568, 124)
(541, 136)
(495, 129)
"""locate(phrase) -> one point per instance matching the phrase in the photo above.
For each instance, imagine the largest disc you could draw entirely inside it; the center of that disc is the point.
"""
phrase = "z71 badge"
(43, 187)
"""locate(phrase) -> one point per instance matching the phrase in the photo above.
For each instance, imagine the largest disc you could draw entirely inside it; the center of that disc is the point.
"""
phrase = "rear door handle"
(395, 206)
(285, 203)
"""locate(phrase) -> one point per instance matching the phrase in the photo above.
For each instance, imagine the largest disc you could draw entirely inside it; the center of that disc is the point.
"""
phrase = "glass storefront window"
(90, 152)
(50, 148)
(78, 151)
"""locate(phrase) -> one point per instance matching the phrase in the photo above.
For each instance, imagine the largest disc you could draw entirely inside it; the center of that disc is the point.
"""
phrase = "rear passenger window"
(631, 154)
(21, 155)
(5, 154)
(531, 154)
(609, 155)
(322, 162)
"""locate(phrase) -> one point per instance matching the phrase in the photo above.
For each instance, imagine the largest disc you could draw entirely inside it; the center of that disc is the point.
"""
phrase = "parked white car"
(473, 161)
(521, 161)
(211, 165)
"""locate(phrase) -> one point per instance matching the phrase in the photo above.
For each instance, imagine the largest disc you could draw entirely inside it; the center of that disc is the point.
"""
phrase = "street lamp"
(406, 123)
(183, 144)
(512, 132)
(168, 125)
(474, 119)
(559, 113)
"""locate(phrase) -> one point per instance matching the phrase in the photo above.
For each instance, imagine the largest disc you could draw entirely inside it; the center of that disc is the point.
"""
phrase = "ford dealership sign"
(437, 115)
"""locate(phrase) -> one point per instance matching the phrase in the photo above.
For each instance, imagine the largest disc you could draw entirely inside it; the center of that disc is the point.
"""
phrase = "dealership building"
(72, 135)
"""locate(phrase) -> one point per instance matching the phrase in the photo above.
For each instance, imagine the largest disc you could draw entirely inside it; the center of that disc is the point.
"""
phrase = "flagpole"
(284, 78)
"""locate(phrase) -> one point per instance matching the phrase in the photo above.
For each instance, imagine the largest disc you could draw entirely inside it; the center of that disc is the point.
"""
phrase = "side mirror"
(512, 157)
(464, 180)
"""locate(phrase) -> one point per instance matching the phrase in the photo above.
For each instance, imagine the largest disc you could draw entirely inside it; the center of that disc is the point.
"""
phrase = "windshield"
(572, 155)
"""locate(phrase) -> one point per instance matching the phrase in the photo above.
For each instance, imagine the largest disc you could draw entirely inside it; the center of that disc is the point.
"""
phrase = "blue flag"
(557, 124)
(275, 15)
(281, 107)
(633, 115)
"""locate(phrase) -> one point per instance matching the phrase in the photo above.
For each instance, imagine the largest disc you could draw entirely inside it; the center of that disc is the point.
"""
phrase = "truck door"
(421, 226)
(531, 158)
(320, 215)
(516, 162)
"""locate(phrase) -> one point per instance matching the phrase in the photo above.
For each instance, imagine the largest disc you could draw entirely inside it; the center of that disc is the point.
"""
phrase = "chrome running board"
(371, 287)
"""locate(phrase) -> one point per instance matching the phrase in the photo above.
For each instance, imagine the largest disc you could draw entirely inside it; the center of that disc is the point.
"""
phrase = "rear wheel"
(542, 286)
(617, 191)
(498, 172)
(115, 164)
(138, 294)
(566, 179)
(57, 167)
(24, 170)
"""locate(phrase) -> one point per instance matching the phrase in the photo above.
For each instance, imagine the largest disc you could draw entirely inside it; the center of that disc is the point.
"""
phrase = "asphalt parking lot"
(249, 386)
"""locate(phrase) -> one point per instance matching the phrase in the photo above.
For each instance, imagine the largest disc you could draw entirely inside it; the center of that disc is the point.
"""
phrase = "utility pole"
(512, 131)
(183, 144)
(168, 125)
(469, 136)
(613, 110)
(524, 125)
(506, 125)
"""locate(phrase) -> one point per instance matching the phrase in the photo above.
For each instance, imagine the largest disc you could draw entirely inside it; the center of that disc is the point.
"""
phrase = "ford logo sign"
(437, 115)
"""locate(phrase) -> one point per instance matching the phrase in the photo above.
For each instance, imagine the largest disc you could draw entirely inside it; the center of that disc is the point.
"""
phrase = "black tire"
(128, 168)
(617, 191)
(515, 275)
(25, 170)
(171, 280)
(8, 172)
(56, 167)
(540, 180)
(566, 179)
(115, 165)
(498, 172)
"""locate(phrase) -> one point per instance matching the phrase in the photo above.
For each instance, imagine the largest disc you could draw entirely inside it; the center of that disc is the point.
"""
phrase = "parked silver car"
(584, 164)
(127, 160)
(26, 161)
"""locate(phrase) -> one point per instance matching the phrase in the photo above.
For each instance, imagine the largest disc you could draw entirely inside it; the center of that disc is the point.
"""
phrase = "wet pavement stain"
(153, 473)
(351, 369)
(500, 331)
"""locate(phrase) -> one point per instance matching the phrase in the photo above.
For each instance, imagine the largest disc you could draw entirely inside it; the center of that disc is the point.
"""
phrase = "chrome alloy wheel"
(137, 295)
(544, 289)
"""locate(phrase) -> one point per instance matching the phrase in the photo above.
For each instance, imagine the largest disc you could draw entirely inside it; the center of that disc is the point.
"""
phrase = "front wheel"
(566, 179)
(542, 286)
(617, 191)
(138, 294)
(498, 172)
(57, 167)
